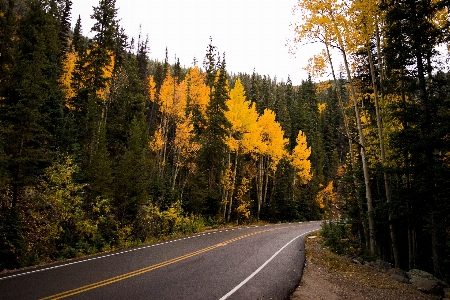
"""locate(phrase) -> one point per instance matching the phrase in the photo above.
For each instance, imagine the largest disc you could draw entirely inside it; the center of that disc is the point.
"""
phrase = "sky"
(252, 33)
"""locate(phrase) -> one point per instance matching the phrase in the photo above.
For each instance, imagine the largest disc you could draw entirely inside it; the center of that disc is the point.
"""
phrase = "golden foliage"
(185, 147)
(243, 117)
(157, 142)
(321, 107)
(151, 86)
(227, 179)
(107, 74)
(272, 142)
(322, 86)
(68, 66)
(327, 196)
(197, 92)
(317, 65)
(300, 158)
(172, 99)
(243, 208)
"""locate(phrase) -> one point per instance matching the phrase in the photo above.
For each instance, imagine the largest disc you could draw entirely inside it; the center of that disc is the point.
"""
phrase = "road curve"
(256, 262)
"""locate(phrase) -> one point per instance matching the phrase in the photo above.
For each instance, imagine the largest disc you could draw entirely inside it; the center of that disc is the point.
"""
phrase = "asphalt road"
(257, 262)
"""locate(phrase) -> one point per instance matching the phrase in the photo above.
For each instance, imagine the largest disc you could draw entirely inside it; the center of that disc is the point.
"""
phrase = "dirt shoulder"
(330, 276)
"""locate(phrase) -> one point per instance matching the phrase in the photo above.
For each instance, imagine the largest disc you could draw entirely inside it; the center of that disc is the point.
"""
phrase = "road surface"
(256, 262)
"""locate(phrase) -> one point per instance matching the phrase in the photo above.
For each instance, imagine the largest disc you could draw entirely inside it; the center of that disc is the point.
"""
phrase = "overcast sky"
(252, 33)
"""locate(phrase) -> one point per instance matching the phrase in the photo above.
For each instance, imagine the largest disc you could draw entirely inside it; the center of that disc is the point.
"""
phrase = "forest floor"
(329, 276)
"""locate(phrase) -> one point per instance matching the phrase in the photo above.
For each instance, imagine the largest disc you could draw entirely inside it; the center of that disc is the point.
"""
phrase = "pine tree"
(64, 25)
(131, 180)
(92, 81)
(78, 41)
(213, 140)
(142, 59)
(413, 29)
(211, 63)
(31, 110)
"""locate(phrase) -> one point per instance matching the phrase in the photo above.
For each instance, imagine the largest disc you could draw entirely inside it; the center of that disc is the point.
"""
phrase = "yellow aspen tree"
(317, 65)
(151, 86)
(270, 150)
(365, 15)
(69, 63)
(243, 208)
(197, 97)
(185, 148)
(156, 143)
(300, 159)
(243, 117)
(172, 105)
(164, 99)
(197, 90)
(107, 75)
(327, 198)
(171, 97)
(326, 56)
(329, 19)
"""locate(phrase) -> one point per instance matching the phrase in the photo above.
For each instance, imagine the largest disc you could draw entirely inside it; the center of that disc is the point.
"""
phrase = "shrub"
(336, 236)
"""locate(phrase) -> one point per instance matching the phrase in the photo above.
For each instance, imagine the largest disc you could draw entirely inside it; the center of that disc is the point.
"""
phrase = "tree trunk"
(370, 213)
(259, 184)
(383, 157)
(350, 147)
(266, 184)
(233, 184)
(361, 139)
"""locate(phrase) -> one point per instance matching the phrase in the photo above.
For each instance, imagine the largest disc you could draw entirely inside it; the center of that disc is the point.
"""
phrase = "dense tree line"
(396, 113)
(102, 147)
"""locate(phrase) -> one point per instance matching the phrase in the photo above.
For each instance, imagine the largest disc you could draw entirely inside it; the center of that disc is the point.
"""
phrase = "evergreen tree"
(131, 180)
(413, 30)
(31, 109)
(211, 63)
(214, 147)
(142, 59)
(106, 24)
(93, 82)
(282, 109)
(78, 40)
(64, 25)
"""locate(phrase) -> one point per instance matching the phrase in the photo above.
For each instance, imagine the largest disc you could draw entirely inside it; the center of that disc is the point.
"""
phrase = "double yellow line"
(101, 283)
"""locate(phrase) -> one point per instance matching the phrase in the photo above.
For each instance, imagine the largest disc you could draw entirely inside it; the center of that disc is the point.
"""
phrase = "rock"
(357, 260)
(397, 271)
(381, 265)
(400, 278)
(399, 275)
(426, 282)
(360, 259)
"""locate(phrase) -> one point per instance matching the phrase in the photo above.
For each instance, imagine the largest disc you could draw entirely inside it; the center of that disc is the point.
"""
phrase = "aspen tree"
(365, 16)
(269, 151)
(243, 133)
(300, 159)
(329, 18)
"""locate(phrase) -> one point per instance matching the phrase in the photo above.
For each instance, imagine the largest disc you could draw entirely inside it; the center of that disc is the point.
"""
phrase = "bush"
(155, 223)
(336, 236)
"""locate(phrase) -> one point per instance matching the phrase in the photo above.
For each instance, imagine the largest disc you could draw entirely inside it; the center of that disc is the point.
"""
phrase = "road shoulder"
(330, 276)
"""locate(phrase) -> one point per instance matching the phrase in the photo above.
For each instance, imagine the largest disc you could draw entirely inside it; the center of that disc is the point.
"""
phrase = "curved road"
(257, 262)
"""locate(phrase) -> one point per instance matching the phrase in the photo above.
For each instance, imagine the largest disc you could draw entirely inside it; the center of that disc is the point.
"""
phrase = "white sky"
(252, 33)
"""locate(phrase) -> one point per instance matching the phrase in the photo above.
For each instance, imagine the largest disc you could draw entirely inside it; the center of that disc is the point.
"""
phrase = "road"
(256, 262)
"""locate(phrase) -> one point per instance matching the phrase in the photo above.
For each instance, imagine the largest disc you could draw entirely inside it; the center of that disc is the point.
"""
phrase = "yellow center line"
(101, 283)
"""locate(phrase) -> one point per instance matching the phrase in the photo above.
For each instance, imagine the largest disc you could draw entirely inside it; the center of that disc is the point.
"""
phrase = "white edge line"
(258, 270)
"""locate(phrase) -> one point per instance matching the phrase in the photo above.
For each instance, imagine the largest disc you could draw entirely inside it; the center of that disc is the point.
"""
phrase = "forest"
(103, 147)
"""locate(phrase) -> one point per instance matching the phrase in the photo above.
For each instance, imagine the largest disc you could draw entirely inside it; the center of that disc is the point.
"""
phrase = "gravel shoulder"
(330, 276)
